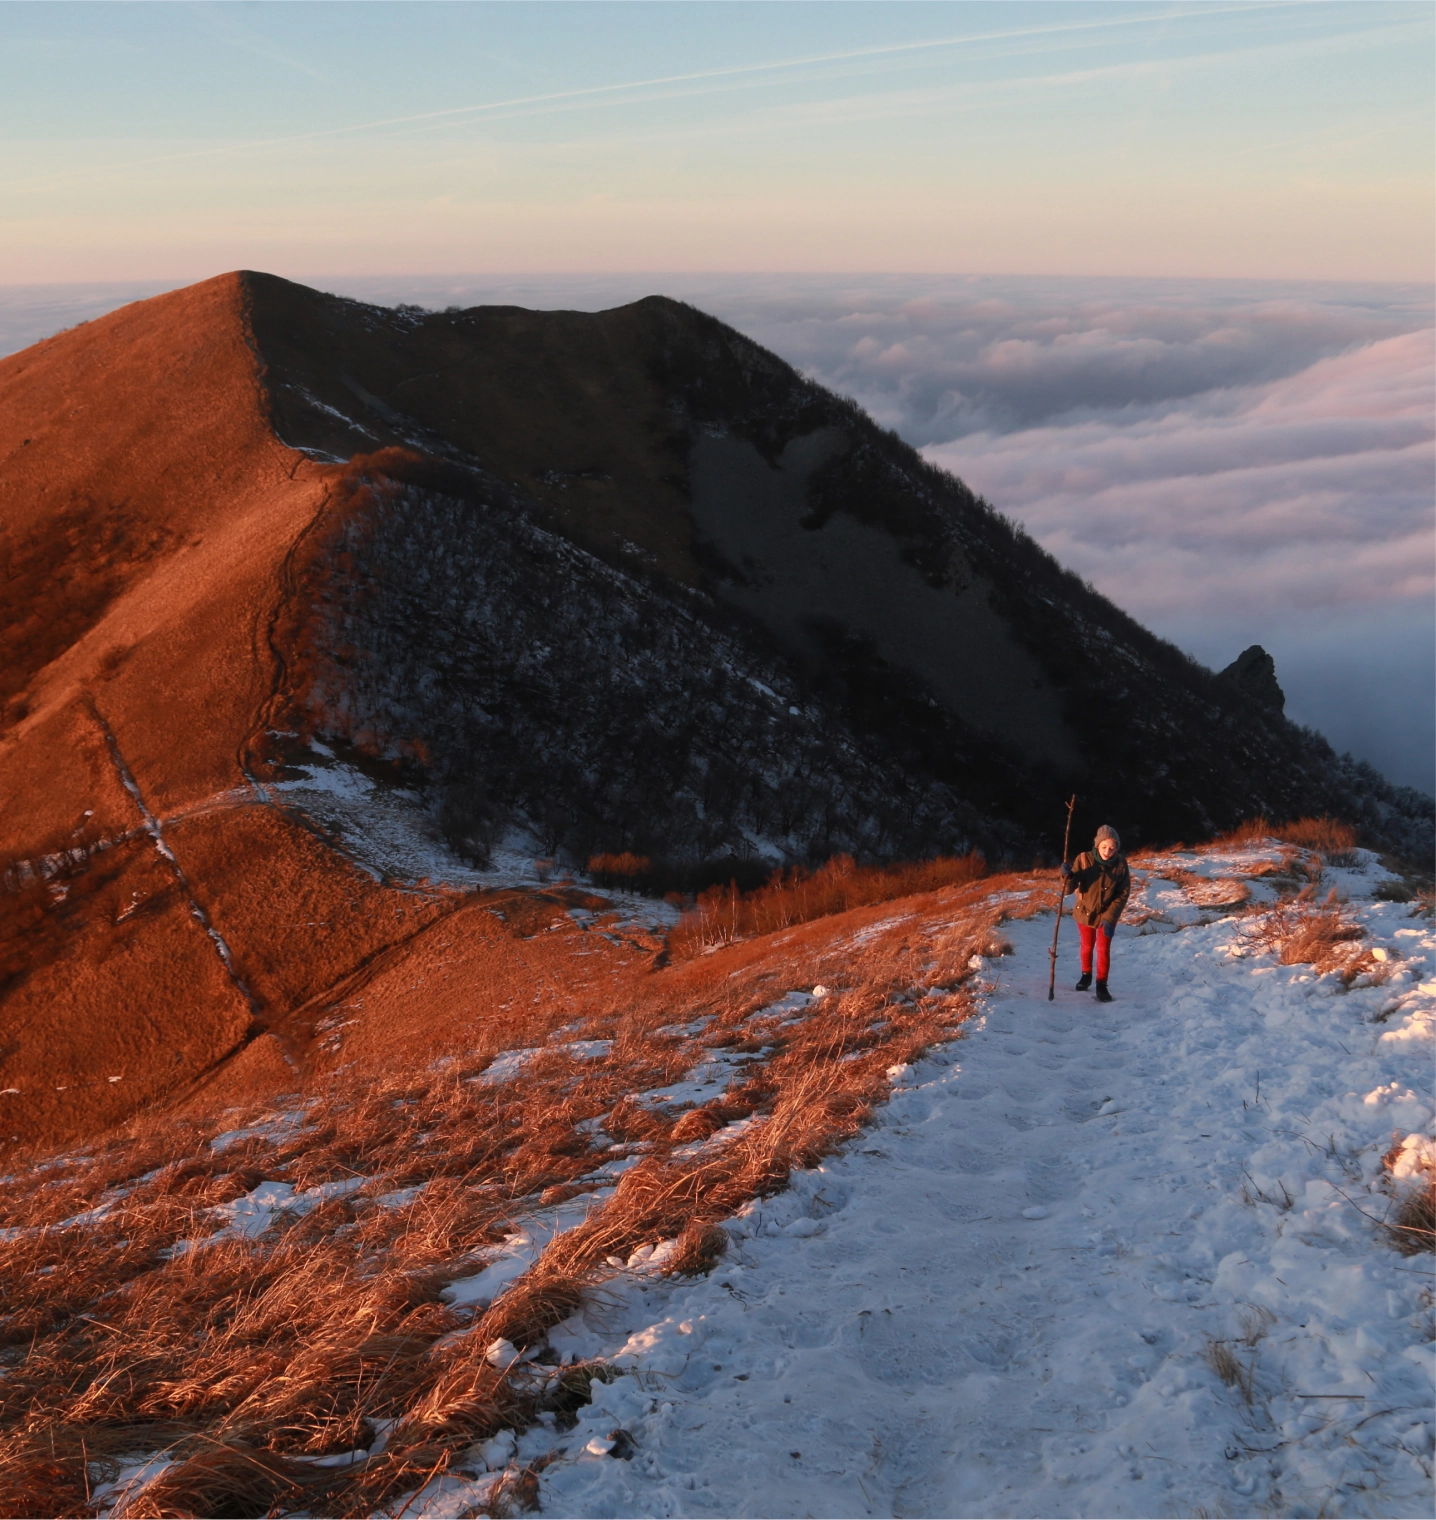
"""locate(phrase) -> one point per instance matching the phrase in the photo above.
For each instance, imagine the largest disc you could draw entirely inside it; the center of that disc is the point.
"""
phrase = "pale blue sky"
(1248, 139)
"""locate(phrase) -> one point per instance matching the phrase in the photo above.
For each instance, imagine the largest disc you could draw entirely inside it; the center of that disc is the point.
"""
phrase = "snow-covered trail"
(1001, 1300)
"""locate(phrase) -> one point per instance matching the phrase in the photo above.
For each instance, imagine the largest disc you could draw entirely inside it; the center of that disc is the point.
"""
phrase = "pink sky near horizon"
(1237, 140)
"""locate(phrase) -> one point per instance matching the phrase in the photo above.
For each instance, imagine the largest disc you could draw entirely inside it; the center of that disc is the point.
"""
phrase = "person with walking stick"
(1103, 884)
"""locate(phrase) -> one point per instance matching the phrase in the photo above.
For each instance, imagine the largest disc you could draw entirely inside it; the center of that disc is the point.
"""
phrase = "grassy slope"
(298, 1341)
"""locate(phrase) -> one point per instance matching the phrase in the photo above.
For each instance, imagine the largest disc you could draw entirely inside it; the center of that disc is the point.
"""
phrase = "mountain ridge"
(598, 581)
(778, 500)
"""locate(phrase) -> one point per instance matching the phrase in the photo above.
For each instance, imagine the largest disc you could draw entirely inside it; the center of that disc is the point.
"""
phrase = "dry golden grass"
(1302, 931)
(723, 914)
(241, 1357)
(1330, 837)
(1249, 831)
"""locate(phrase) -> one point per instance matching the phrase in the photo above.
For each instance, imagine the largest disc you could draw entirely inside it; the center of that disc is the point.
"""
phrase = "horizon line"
(753, 273)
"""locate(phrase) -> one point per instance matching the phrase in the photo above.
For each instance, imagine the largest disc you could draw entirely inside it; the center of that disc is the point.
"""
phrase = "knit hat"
(1107, 832)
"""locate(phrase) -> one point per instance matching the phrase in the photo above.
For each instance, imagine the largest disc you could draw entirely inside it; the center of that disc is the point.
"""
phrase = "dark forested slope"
(644, 524)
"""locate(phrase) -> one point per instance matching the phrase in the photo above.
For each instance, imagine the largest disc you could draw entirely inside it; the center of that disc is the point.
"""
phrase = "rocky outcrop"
(1253, 673)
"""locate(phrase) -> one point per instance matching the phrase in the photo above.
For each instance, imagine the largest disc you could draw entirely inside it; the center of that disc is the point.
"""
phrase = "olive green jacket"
(1102, 888)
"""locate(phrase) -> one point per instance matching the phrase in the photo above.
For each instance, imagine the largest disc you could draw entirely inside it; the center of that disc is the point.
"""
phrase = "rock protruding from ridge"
(1254, 673)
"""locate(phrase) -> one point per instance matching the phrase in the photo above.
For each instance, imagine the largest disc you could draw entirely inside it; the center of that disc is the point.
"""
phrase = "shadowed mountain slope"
(684, 456)
(594, 581)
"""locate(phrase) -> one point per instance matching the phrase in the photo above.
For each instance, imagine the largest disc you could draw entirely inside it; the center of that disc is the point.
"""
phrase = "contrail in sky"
(596, 93)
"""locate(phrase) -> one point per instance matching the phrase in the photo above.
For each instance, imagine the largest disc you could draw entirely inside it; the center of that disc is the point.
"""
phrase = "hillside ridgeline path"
(1091, 1260)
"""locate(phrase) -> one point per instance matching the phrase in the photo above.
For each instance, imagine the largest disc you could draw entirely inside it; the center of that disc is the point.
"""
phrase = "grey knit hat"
(1107, 832)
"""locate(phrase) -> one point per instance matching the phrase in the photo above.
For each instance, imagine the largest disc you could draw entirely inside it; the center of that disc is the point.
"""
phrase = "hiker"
(1102, 883)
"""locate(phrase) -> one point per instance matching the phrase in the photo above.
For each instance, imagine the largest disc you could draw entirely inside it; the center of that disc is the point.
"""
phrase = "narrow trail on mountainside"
(1004, 1298)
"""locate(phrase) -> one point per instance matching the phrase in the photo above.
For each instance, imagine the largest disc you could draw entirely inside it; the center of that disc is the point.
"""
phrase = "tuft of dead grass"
(1303, 931)
(1413, 1226)
(699, 1248)
(1224, 1354)
(1223, 1358)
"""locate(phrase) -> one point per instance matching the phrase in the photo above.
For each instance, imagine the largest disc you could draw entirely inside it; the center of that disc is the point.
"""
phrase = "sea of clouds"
(1232, 462)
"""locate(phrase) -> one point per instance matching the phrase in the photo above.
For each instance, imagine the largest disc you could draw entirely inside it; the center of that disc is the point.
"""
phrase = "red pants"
(1090, 932)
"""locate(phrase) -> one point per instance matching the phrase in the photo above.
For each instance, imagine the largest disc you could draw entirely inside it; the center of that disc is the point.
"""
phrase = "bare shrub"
(625, 870)
(1302, 931)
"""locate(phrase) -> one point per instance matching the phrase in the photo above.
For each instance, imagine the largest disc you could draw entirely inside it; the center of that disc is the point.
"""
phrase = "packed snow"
(1090, 1260)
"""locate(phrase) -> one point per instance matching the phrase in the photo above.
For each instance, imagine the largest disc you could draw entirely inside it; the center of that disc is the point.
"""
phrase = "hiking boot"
(1084, 981)
(1103, 996)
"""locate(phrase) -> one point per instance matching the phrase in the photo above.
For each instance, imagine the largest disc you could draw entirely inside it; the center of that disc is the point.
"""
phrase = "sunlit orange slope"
(147, 510)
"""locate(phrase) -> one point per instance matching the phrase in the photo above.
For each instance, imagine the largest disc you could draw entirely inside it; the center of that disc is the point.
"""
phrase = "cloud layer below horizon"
(1232, 463)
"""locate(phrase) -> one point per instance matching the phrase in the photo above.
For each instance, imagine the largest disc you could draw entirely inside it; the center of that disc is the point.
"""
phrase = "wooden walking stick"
(1061, 902)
